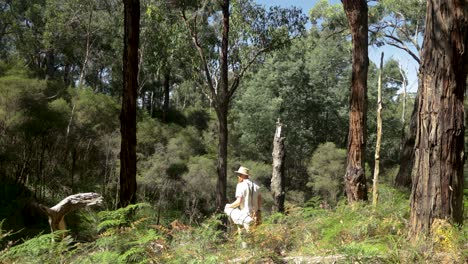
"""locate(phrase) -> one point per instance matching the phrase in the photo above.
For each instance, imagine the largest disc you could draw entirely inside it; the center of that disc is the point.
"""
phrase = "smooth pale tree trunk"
(437, 188)
(375, 186)
(277, 178)
(128, 185)
(355, 179)
(88, 50)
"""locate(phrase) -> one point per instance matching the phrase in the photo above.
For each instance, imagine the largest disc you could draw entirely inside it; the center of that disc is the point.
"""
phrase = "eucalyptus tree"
(355, 178)
(128, 185)
(437, 188)
(241, 44)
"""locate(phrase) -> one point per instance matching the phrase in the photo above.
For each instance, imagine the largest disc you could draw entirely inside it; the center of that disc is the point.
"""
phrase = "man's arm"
(236, 203)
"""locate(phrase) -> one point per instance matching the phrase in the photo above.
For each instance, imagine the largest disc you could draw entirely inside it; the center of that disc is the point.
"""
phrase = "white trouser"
(239, 217)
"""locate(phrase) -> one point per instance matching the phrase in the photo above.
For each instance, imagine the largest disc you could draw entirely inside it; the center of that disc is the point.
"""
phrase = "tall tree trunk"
(375, 186)
(128, 184)
(437, 189)
(222, 159)
(355, 179)
(277, 178)
(167, 86)
(222, 107)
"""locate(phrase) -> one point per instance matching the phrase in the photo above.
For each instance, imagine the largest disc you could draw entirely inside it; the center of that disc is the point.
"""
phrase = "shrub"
(326, 171)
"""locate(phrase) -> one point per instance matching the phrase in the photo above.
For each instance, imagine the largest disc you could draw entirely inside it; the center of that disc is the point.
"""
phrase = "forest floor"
(308, 234)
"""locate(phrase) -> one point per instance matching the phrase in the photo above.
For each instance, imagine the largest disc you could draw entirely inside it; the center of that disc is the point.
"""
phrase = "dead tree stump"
(277, 178)
(56, 214)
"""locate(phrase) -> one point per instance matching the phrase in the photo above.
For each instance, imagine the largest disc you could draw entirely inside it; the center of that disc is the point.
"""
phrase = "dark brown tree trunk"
(437, 189)
(355, 179)
(167, 85)
(128, 184)
(403, 178)
(277, 178)
(222, 159)
(222, 107)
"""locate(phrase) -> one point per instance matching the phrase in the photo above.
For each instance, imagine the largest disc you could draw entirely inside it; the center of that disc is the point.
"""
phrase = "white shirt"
(249, 200)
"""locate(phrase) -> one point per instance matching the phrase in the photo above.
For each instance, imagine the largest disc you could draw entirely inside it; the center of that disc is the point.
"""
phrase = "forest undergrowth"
(354, 234)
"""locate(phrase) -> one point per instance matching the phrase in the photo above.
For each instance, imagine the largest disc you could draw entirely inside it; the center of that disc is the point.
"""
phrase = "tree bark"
(222, 107)
(277, 178)
(355, 179)
(128, 183)
(437, 188)
(221, 167)
(375, 186)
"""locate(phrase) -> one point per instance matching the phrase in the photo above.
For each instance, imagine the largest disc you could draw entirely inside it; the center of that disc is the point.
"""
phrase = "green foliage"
(126, 236)
(120, 217)
(326, 171)
(255, 28)
(41, 249)
(95, 112)
(334, 14)
(200, 183)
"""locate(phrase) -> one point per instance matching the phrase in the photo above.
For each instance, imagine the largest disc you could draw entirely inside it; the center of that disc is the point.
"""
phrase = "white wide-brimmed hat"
(243, 171)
